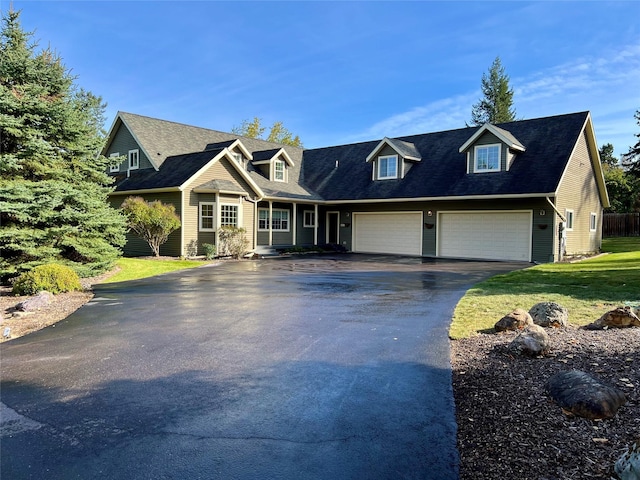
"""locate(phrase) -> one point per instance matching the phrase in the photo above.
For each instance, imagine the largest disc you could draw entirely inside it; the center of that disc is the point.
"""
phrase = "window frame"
(571, 219)
(379, 167)
(201, 217)
(593, 222)
(114, 168)
(237, 215)
(305, 220)
(131, 154)
(477, 148)
(265, 226)
(281, 163)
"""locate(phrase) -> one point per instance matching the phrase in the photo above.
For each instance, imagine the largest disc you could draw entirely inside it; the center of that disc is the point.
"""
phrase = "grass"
(136, 268)
(587, 289)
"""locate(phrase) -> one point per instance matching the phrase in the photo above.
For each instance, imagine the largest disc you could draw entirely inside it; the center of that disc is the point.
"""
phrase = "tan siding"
(221, 170)
(578, 191)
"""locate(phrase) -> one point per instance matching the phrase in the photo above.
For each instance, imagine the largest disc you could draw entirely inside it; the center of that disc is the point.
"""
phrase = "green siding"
(136, 246)
(122, 142)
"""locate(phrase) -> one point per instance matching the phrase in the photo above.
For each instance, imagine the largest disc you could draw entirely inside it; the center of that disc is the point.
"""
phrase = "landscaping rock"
(532, 341)
(621, 317)
(549, 314)
(516, 320)
(41, 300)
(581, 394)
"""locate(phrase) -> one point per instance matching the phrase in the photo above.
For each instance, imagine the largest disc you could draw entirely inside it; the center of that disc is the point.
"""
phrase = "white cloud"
(607, 85)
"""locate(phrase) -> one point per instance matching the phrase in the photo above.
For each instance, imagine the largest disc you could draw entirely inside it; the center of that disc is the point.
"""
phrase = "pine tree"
(496, 106)
(53, 185)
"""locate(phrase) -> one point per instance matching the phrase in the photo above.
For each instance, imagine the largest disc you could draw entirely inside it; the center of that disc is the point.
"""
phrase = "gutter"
(555, 209)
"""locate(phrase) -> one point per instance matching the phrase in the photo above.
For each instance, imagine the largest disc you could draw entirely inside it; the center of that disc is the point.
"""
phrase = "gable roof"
(405, 149)
(442, 172)
(267, 156)
(504, 136)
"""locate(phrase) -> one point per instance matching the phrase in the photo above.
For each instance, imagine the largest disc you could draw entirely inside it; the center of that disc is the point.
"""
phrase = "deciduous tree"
(277, 133)
(496, 105)
(53, 183)
(151, 221)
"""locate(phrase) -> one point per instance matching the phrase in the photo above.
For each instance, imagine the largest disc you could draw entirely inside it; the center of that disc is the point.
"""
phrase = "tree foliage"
(496, 105)
(623, 189)
(53, 185)
(151, 221)
(631, 160)
(606, 155)
(277, 133)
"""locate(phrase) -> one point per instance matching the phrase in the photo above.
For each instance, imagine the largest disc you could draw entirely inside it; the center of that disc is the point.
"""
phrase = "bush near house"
(52, 277)
(233, 241)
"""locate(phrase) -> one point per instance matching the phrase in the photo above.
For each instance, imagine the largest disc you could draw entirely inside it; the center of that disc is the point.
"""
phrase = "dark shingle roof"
(221, 185)
(174, 172)
(549, 143)
(405, 149)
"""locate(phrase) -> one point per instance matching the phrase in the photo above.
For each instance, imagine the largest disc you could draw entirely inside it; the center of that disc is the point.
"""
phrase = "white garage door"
(393, 232)
(486, 235)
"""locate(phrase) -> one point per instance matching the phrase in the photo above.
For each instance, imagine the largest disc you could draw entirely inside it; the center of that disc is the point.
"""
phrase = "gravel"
(509, 427)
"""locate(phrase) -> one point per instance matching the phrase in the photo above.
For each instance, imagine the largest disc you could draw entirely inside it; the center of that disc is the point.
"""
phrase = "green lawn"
(136, 268)
(587, 289)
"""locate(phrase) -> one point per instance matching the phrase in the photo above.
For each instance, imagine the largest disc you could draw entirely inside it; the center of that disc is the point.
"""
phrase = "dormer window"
(237, 157)
(134, 159)
(487, 158)
(387, 167)
(278, 171)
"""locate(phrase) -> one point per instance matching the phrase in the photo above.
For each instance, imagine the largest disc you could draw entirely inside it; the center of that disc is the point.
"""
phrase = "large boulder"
(31, 304)
(621, 317)
(516, 320)
(532, 341)
(549, 314)
(581, 394)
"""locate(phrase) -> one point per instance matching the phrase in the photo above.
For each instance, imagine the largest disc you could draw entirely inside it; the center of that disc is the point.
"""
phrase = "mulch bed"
(510, 428)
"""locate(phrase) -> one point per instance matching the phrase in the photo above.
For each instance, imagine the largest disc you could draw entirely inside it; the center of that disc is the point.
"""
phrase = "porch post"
(217, 225)
(295, 221)
(270, 223)
(315, 226)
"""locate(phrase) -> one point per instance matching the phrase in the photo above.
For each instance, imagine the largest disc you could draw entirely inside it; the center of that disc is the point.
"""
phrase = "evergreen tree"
(631, 161)
(496, 106)
(53, 185)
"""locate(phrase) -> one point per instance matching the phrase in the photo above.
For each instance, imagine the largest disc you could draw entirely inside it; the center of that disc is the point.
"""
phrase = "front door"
(333, 227)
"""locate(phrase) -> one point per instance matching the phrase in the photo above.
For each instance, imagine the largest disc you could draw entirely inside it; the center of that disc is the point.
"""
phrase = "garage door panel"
(485, 235)
(388, 233)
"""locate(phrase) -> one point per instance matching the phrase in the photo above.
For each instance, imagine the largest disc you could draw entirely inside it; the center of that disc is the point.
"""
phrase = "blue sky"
(341, 72)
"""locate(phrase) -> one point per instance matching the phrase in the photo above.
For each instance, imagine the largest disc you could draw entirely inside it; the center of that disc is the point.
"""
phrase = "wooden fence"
(621, 225)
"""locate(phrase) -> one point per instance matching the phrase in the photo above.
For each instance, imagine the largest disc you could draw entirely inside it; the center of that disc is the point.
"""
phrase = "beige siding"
(578, 191)
(221, 170)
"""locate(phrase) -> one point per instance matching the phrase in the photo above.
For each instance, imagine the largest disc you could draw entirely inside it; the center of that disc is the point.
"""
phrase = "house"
(529, 190)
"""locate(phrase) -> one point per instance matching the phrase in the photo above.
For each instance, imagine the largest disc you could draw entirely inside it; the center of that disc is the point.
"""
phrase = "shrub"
(209, 250)
(52, 277)
(233, 241)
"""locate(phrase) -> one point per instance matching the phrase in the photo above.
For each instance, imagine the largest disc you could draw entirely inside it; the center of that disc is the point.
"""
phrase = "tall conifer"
(53, 185)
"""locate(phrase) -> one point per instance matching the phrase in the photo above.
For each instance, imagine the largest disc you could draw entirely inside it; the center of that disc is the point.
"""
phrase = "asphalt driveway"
(328, 367)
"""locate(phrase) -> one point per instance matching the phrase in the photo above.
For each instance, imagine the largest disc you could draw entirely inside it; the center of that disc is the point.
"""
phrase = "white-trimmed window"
(114, 166)
(569, 216)
(278, 171)
(207, 216)
(279, 221)
(487, 158)
(237, 157)
(593, 222)
(309, 218)
(228, 215)
(387, 167)
(134, 159)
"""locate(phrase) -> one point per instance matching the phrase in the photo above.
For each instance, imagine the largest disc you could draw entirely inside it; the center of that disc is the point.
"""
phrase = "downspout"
(555, 209)
(561, 246)
(217, 234)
